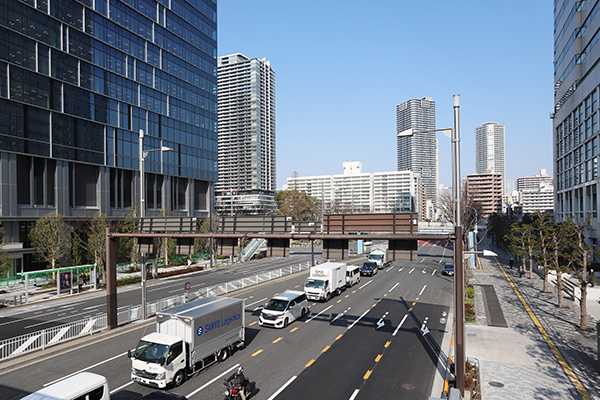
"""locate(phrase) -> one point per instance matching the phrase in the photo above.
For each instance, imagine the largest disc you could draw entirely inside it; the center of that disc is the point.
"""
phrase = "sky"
(342, 67)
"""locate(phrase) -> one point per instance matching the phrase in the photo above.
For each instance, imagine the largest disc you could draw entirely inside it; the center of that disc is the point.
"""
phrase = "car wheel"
(303, 313)
(179, 378)
(285, 323)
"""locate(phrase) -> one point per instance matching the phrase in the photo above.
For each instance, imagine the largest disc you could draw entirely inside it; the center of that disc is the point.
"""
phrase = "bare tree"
(90, 234)
(556, 246)
(542, 223)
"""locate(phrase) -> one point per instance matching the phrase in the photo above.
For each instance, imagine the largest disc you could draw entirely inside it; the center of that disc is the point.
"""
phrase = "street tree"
(517, 243)
(4, 260)
(542, 223)
(558, 260)
(202, 245)
(90, 234)
(51, 238)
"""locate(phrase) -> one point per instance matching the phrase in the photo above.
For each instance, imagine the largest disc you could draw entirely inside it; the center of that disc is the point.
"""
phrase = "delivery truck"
(188, 338)
(380, 257)
(325, 281)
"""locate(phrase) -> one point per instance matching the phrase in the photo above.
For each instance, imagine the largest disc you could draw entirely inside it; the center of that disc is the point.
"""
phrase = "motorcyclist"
(239, 380)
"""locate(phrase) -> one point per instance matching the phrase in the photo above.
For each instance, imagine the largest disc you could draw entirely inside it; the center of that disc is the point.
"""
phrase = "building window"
(121, 185)
(83, 185)
(178, 191)
(35, 181)
(200, 191)
(154, 184)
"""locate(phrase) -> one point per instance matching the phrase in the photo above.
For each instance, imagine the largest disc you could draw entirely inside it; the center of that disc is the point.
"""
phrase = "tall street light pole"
(143, 154)
(459, 289)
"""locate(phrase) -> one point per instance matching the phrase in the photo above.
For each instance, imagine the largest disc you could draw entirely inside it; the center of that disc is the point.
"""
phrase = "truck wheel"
(224, 354)
(179, 378)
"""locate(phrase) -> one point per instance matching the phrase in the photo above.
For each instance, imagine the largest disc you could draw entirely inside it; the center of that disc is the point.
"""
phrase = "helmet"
(240, 369)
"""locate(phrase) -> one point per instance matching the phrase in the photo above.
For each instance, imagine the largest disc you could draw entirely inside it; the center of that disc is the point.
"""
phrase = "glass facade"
(80, 79)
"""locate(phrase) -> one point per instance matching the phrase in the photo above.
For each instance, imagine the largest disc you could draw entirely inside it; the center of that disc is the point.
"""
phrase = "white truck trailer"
(325, 281)
(380, 257)
(188, 338)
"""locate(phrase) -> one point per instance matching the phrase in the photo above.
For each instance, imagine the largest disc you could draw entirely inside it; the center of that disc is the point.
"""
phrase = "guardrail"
(40, 340)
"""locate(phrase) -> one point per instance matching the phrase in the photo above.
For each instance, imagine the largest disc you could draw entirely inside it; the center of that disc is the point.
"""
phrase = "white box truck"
(380, 257)
(325, 281)
(188, 338)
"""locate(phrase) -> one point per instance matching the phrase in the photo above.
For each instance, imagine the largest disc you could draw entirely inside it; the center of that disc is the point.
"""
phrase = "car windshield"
(375, 256)
(150, 352)
(314, 283)
(276, 305)
(449, 266)
(369, 265)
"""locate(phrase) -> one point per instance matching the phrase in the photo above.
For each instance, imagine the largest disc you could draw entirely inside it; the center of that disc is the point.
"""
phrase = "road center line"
(212, 381)
(306, 322)
(400, 325)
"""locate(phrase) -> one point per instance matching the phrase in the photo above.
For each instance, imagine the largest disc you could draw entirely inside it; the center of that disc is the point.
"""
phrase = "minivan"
(352, 275)
(82, 386)
(283, 309)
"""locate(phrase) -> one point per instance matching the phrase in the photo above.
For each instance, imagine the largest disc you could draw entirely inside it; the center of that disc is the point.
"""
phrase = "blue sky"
(342, 67)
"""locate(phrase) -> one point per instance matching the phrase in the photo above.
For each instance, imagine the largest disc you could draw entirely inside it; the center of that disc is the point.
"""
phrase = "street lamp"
(144, 154)
(459, 296)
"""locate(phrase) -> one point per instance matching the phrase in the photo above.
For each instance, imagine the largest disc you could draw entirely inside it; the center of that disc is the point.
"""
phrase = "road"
(365, 343)
(35, 317)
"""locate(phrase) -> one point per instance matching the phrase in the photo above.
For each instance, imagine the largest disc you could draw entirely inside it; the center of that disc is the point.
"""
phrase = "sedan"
(368, 269)
(448, 269)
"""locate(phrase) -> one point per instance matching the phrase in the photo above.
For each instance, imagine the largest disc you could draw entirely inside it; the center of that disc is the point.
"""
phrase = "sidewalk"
(532, 350)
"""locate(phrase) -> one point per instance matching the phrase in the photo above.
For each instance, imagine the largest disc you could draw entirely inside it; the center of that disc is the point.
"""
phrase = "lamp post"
(143, 155)
(459, 296)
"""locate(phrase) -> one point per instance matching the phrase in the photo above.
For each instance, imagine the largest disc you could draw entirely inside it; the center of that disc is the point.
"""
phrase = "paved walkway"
(538, 353)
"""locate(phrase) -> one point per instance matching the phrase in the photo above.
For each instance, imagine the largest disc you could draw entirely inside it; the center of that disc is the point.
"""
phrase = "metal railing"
(40, 340)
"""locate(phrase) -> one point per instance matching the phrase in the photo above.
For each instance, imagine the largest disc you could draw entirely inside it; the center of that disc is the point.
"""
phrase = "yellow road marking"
(410, 309)
(576, 382)
(347, 295)
(417, 299)
(373, 305)
(354, 291)
(339, 336)
(257, 353)
(326, 348)
(310, 363)
(255, 322)
(339, 300)
(387, 344)
(277, 340)
(367, 375)
(414, 303)
(295, 329)
(385, 295)
(378, 357)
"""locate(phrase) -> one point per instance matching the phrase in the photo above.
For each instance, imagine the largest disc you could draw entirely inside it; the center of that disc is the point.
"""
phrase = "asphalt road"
(35, 317)
(365, 343)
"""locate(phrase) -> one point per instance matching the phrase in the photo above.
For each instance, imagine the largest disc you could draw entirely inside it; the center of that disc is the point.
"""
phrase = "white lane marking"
(389, 269)
(422, 259)
(394, 287)
(341, 314)
(422, 290)
(364, 285)
(121, 387)
(354, 394)
(85, 369)
(212, 381)
(359, 318)
(282, 388)
(306, 322)
(400, 325)
(259, 301)
(433, 272)
(400, 270)
(92, 307)
(411, 271)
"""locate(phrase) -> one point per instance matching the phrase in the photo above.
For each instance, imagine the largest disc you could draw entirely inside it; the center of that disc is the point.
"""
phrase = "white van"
(83, 386)
(283, 309)
(352, 275)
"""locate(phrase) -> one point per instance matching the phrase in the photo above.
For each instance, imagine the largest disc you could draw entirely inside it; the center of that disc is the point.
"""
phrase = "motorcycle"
(232, 392)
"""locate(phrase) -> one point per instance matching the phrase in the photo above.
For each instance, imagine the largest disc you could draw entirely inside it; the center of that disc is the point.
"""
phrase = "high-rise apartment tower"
(82, 85)
(418, 152)
(489, 144)
(247, 167)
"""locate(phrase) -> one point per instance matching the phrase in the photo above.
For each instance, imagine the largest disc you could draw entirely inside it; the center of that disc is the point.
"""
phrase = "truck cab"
(157, 359)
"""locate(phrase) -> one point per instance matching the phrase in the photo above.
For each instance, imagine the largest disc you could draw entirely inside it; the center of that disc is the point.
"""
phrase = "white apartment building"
(358, 192)
(538, 199)
(489, 143)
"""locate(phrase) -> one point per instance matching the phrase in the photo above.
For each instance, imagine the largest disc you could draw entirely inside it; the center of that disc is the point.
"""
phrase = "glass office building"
(82, 85)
